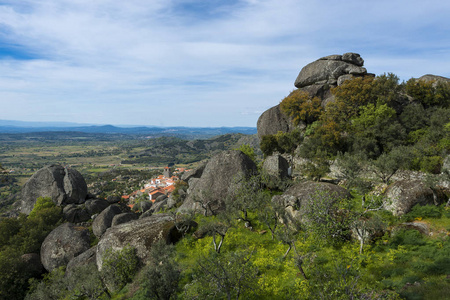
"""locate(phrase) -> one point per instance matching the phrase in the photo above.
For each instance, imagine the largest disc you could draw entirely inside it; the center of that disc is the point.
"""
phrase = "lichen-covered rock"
(299, 196)
(217, 180)
(62, 244)
(402, 195)
(104, 220)
(64, 185)
(139, 234)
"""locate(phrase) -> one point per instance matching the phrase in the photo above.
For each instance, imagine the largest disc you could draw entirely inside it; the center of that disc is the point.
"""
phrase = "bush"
(119, 267)
(424, 211)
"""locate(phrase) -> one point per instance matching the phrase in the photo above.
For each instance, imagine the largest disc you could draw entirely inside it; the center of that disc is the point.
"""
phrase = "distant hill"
(13, 127)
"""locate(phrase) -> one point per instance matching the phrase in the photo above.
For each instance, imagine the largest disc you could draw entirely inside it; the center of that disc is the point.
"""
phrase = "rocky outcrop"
(402, 195)
(62, 244)
(434, 78)
(327, 70)
(104, 220)
(64, 185)
(299, 196)
(140, 234)
(217, 180)
(317, 79)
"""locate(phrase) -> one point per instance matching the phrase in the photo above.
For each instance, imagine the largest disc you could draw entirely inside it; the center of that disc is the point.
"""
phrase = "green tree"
(225, 276)
(299, 106)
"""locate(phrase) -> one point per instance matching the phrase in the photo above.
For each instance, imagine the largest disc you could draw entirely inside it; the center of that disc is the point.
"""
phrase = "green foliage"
(248, 150)
(282, 142)
(299, 106)
(423, 211)
(161, 275)
(430, 93)
(227, 276)
(328, 218)
(119, 267)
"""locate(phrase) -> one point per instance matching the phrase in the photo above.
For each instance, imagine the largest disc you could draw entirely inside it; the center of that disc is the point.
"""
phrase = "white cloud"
(136, 61)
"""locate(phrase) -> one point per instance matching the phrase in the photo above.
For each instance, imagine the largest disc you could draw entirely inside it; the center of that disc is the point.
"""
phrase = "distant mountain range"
(8, 126)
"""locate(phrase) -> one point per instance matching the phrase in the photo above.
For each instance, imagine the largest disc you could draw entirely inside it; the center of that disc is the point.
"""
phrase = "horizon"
(42, 124)
(195, 63)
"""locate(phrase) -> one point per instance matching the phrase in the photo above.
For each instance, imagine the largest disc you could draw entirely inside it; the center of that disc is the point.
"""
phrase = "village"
(157, 188)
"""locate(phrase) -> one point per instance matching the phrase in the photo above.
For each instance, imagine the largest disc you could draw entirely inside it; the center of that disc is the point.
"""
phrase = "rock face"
(276, 166)
(140, 234)
(299, 196)
(85, 258)
(63, 185)
(62, 244)
(217, 179)
(404, 194)
(104, 220)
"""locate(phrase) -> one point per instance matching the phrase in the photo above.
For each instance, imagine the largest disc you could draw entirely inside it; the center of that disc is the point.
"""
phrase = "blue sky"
(197, 63)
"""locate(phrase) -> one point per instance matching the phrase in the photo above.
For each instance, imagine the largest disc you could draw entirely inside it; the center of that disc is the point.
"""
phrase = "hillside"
(348, 199)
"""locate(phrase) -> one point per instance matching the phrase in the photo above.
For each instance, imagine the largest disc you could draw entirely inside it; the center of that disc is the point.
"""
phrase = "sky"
(195, 63)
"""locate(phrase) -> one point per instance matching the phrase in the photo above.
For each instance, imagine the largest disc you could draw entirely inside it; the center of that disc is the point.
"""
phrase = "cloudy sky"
(197, 63)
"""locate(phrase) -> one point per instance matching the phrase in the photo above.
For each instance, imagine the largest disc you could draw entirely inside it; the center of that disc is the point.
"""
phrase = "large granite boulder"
(402, 195)
(217, 181)
(327, 70)
(76, 213)
(104, 220)
(273, 120)
(64, 185)
(95, 206)
(140, 234)
(297, 198)
(62, 244)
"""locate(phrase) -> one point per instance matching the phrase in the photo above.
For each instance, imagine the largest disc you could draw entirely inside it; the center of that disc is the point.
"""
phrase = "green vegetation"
(377, 118)
(20, 236)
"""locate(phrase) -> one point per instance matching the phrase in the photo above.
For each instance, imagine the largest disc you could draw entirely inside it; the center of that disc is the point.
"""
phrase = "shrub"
(119, 267)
